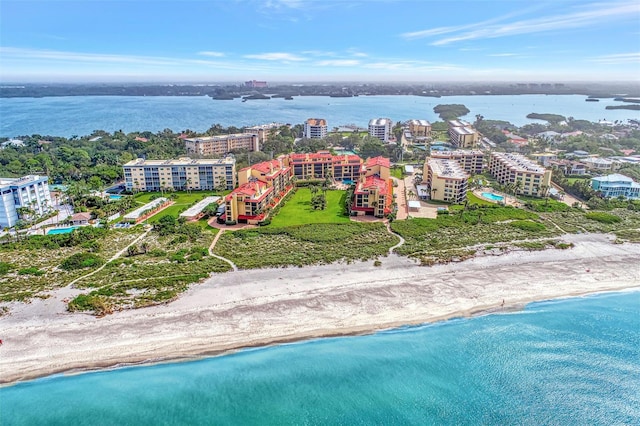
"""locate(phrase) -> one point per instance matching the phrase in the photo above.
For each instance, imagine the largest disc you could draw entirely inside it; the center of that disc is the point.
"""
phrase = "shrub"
(5, 267)
(527, 225)
(603, 217)
(81, 261)
(31, 271)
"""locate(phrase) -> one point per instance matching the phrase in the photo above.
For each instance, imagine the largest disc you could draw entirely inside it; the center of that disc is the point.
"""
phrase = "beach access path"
(261, 307)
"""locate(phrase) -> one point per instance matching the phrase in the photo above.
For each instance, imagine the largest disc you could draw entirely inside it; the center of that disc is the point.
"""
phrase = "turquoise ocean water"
(81, 115)
(566, 362)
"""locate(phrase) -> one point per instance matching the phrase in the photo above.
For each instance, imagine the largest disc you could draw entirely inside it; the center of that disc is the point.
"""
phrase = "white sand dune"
(261, 307)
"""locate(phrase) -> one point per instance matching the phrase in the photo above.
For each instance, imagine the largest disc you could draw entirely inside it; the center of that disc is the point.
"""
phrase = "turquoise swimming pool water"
(57, 231)
(115, 197)
(493, 197)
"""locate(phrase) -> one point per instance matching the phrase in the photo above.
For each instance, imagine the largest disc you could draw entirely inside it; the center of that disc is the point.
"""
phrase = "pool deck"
(509, 200)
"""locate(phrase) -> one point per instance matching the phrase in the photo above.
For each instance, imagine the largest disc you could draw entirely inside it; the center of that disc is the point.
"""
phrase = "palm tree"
(433, 192)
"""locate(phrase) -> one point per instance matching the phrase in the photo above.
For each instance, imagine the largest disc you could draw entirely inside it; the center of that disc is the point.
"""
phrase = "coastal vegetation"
(451, 111)
(551, 118)
(302, 245)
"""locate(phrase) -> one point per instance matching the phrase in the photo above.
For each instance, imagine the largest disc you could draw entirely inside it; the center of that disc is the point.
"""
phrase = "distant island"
(631, 107)
(551, 118)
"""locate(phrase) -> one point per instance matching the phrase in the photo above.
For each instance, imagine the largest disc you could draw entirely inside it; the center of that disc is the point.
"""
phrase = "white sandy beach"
(261, 307)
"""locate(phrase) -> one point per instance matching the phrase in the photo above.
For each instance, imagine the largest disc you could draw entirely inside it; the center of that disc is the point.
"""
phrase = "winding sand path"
(211, 253)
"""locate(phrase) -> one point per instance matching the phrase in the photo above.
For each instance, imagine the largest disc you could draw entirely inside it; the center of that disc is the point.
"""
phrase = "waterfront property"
(81, 218)
(63, 230)
(616, 185)
(179, 175)
(195, 212)
(419, 129)
(261, 187)
(373, 194)
(214, 146)
(471, 161)
(29, 192)
(263, 131)
(568, 167)
(142, 213)
(445, 180)
(598, 164)
(380, 128)
(462, 135)
(323, 164)
(525, 176)
(315, 128)
(493, 197)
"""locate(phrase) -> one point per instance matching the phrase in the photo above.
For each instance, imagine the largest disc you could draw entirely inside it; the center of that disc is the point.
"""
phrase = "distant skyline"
(330, 40)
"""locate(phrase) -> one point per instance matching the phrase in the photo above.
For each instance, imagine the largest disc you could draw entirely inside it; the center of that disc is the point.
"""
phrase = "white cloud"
(276, 56)
(498, 55)
(619, 58)
(338, 63)
(212, 54)
(318, 53)
(589, 15)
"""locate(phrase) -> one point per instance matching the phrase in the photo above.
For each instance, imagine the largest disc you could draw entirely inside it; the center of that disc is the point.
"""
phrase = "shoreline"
(260, 308)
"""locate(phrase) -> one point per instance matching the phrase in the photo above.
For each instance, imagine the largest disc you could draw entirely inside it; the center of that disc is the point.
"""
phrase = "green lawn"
(473, 199)
(183, 201)
(298, 210)
(574, 180)
(397, 172)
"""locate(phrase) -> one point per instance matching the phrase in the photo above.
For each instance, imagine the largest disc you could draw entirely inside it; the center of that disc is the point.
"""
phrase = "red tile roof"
(373, 182)
(378, 161)
(250, 189)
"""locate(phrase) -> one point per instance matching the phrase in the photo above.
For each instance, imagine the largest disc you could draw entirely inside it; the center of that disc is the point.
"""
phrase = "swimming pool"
(114, 197)
(56, 231)
(493, 197)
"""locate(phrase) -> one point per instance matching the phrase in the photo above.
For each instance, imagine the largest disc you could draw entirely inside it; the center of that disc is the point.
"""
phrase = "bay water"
(564, 362)
(81, 115)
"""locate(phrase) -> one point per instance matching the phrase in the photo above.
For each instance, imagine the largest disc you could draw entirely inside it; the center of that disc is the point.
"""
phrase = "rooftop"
(378, 161)
(199, 206)
(220, 137)
(21, 180)
(419, 123)
(616, 177)
(380, 122)
(448, 169)
(519, 162)
(373, 182)
(185, 161)
(316, 122)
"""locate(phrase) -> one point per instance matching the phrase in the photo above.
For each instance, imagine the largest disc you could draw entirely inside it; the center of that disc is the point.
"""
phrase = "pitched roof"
(378, 161)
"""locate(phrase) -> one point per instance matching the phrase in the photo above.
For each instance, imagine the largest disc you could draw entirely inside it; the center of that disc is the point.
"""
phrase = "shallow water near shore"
(571, 361)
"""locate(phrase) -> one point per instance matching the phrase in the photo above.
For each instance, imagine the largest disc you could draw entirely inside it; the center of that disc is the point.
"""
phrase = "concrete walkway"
(401, 199)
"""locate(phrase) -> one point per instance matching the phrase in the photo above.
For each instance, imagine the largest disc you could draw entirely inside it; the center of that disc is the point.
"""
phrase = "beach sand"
(261, 307)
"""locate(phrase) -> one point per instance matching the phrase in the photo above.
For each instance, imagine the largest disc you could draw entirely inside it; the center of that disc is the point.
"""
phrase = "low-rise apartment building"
(419, 129)
(215, 146)
(471, 161)
(323, 164)
(315, 128)
(445, 180)
(180, 174)
(261, 187)
(462, 134)
(515, 169)
(380, 128)
(373, 194)
(263, 131)
(616, 185)
(29, 191)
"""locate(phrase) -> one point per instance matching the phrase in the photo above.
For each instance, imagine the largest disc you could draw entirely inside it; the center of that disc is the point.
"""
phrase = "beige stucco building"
(445, 180)
(470, 160)
(516, 169)
(214, 146)
(462, 134)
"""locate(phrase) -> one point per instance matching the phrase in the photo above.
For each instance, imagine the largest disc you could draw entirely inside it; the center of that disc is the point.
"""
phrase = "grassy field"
(298, 210)
(574, 180)
(305, 244)
(183, 200)
(397, 172)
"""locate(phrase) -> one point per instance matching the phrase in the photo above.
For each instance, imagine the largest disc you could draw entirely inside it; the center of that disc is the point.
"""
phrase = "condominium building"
(263, 131)
(180, 174)
(261, 187)
(616, 185)
(380, 128)
(29, 191)
(214, 146)
(315, 128)
(471, 161)
(373, 194)
(446, 180)
(462, 135)
(323, 164)
(515, 169)
(419, 129)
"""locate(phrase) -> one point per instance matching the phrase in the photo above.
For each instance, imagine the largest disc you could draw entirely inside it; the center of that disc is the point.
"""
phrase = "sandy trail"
(261, 307)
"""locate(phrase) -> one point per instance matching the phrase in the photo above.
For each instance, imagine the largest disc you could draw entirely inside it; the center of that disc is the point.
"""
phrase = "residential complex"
(380, 128)
(462, 135)
(263, 131)
(419, 129)
(471, 161)
(516, 169)
(616, 185)
(373, 194)
(261, 187)
(181, 174)
(215, 146)
(315, 128)
(29, 191)
(445, 180)
(323, 164)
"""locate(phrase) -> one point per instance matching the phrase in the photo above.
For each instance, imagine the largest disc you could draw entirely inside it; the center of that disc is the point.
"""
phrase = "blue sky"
(329, 40)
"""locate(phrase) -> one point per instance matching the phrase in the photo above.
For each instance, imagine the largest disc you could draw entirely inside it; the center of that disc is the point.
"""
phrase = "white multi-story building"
(315, 128)
(179, 175)
(445, 179)
(380, 128)
(29, 191)
(516, 169)
(263, 130)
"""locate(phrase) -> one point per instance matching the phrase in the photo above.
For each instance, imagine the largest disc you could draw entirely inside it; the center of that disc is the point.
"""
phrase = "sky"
(329, 40)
